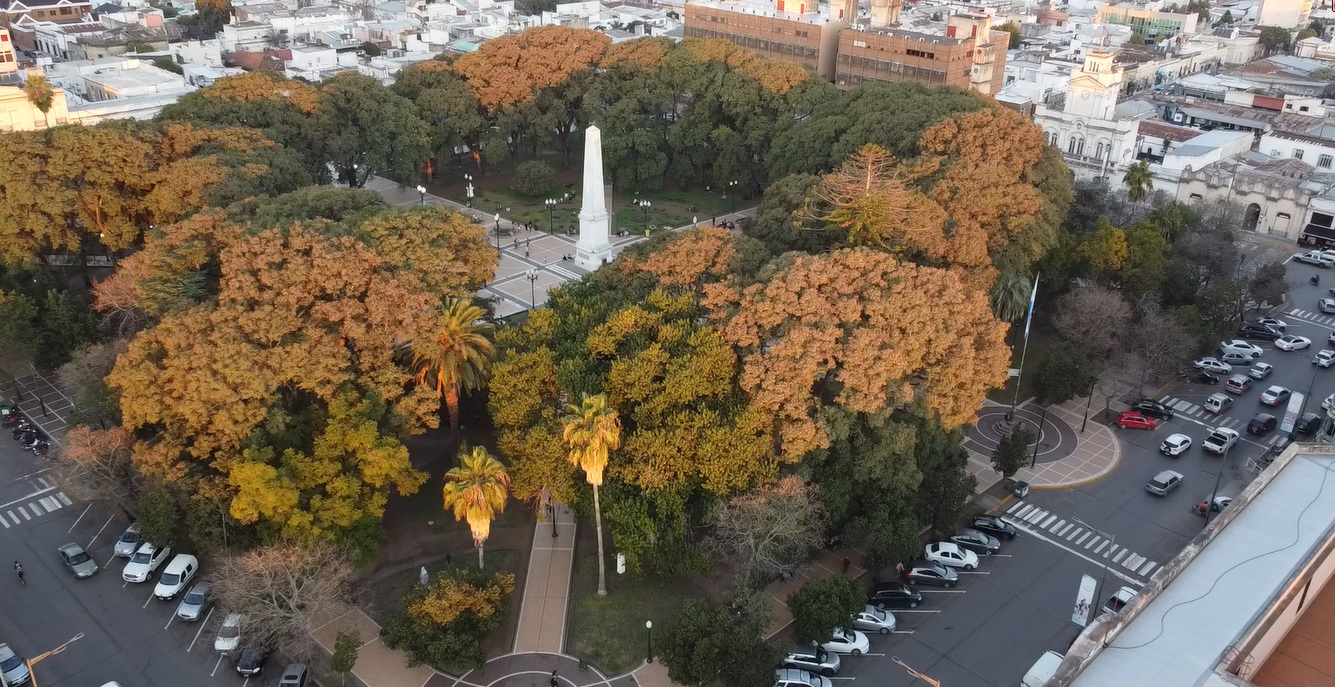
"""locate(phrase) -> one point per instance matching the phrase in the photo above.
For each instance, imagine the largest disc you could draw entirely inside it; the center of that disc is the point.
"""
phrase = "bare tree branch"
(768, 533)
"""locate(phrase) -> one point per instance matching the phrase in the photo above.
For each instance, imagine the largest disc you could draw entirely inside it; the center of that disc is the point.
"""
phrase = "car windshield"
(10, 663)
(141, 557)
(130, 537)
(80, 557)
(170, 579)
(230, 631)
(194, 598)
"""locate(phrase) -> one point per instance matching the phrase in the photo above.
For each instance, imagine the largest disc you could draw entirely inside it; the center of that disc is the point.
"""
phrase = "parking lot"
(127, 635)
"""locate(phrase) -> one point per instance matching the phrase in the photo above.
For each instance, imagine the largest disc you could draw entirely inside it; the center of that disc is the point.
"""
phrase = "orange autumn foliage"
(510, 70)
(699, 254)
(259, 86)
(776, 76)
(641, 52)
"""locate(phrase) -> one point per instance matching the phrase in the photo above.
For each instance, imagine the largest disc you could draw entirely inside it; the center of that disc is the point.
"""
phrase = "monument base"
(592, 258)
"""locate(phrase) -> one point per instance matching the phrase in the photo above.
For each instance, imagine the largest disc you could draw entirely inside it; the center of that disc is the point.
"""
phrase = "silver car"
(77, 560)
(195, 603)
(128, 543)
(873, 619)
(14, 669)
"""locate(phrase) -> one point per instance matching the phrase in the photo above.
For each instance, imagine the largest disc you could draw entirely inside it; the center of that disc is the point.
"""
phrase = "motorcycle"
(1316, 279)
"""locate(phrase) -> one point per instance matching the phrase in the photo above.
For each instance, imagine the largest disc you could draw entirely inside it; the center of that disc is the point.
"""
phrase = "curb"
(1117, 460)
(1001, 504)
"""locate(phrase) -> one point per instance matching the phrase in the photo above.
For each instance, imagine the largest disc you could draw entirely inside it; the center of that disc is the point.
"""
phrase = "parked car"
(145, 562)
(1217, 403)
(294, 675)
(1262, 424)
(995, 526)
(229, 635)
(1330, 340)
(176, 576)
(894, 595)
(1308, 424)
(1119, 600)
(1313, 257)
(1237, 357)
(847, 642)
(1220, 439)
(1275, 395)
(1328, 402)
(933, 574)
(1260, 370)
(1213, 365)
(1130, 419)
(1175, 445)
(813, 659)
(1195, 376)
(1164, 482)
(1326, 305)
(1237, 384)
(1256, 330)
(1215, 505)
(1278, 325)
(792, 677)
(977, 542)
(1324, 358)
(873, 619)
(1239, 346)
(1292, 342)
(13, 667)
(195, 602)
(252, 660)
(77, 560)
(128, 542)
(1154, 409)
(950, 554)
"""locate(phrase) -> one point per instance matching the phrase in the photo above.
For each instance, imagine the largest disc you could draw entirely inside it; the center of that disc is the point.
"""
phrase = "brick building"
(798, 31)
(21, 16)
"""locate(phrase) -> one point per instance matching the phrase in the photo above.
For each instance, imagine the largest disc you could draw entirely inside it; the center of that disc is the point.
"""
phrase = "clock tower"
(1093, 90)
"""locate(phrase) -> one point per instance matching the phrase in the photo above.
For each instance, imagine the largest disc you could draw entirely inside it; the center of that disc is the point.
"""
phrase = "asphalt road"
(127, 636)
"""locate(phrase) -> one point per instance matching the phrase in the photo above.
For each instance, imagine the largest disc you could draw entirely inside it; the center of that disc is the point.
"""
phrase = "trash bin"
(1021, 489)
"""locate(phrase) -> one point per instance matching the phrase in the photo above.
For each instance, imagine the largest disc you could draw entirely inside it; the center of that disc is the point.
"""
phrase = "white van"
(1043, 670)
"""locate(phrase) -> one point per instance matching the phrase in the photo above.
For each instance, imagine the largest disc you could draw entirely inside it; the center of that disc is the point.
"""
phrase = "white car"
(1275, 395)
(13, 667)
(1244, 347)
(952, 555)
(1281, 325)
(1213, 365)
(1324, 358)
(145, 562)
(1219, 440)
(1315, 257)
(847, 642)
(229, 635)
(1175, 445)
(1119, 600)
(176, 576)
(1292, 342)
(873, 619)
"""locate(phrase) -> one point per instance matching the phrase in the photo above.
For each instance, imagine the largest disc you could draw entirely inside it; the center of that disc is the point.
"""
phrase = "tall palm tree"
(40, 94)
(592, 431)
(1010, 299)
(477, 491)
(1139, 181)
(458, 355)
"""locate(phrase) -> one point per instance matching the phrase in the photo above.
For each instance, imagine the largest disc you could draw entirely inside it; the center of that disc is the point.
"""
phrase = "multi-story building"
(9, 66)
(17, 113)
(1286, 14)
(1151, 25)
(1093, 138)
(20, 15)
(798, 31)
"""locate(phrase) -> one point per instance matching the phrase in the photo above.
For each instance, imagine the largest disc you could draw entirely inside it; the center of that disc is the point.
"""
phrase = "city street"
(127, 635)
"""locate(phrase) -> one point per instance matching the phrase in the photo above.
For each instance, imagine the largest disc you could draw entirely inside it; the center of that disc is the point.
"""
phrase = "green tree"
(1308, 32)
(1014, 31)
(1012, 452)
(947, 485)
(64, 325)
(823, 605)
(592, 430)
(1063, 374)
(363, 129)
(1275, 39)
(444, 624)
(159, 516)
(477, 491)
(168, 64)
(40, 94)
(1135, 39)
(346, 646)
(534, 178)
(1227, 18)
(370, 49)
(1010, 297)
(457, 357)
(707, 641)
(1139, 182)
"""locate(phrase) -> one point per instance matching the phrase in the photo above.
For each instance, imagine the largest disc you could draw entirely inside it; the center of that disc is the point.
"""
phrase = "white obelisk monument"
(595, 228)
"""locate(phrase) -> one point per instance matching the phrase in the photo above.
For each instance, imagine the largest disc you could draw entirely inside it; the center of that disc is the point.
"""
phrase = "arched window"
(1098, 152)
(1072, 144)
(1052, 138)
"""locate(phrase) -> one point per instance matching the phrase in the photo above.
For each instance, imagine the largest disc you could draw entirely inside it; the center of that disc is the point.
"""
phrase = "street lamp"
(1038, 438)
(421, 191)
(498, 233)
(1214, 494)
(36, 659)
(915, 674)
(1112, 544)
(649, 633)
(1302, 407)
(732, 196)
(551, 206)
(644, 207)
(468, 188)
(532, 295)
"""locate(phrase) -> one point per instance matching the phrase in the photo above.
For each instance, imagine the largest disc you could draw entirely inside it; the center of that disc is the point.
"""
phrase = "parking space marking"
(941, 591)
(147, 601)
(901, 632)
(1001, 555)
(202, 624)
(99, 533)
(169, 621)
(1048, 521)
(973, 572)
(868, 654)
(76, 522)
(1146, 570)
(216, 665)
(918, 610)
(1115, 572)
(840, 678)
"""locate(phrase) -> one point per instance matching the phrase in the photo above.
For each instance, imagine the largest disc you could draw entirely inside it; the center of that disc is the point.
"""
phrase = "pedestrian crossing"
(1079, 537)
(1189, 409)
(41, 502)
(1313, 317)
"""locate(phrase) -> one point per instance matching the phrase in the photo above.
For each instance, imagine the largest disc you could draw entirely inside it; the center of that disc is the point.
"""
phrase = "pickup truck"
(1220, 440)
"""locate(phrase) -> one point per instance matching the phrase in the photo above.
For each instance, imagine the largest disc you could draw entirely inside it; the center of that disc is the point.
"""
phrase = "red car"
(1132, 419)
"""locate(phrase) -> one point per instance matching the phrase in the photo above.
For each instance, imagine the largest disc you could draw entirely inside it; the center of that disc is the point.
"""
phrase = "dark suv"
(1262, 424)
(1152, 409)
(894, 595)
(1256, 330)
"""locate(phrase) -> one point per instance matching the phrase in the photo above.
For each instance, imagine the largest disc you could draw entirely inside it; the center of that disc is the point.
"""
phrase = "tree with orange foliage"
(865, 332)
(96, 464)
(510, 70)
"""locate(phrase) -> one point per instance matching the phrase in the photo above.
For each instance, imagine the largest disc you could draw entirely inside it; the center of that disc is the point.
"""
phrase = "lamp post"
(551, 207)
(421, 192)
(532, 293)
(1112, 543)
(915, 674)
(1302, 407)
(732, 196)
(649, 635)
(468, 189)
(644, 208)
(1088, 400)
(1039, 436)
(498, 233)
(1214, 494)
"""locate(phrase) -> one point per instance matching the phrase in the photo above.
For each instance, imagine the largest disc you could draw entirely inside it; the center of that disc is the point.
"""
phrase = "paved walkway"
(42, 399)
(542, 612)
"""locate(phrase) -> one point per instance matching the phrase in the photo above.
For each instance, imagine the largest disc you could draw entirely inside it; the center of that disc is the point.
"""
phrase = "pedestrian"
(526, 250)
(695, 220)
(555, 682)
(527, 243)
(847, 564)
(899, 569)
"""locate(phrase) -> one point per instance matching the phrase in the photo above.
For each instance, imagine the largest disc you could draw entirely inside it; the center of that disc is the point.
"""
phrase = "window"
(920, 53)
(1323, 162)
(1297, 153)
(1052, 138)
(1304, 108)
(1194, 197)
(1098, 154)
(859, 44)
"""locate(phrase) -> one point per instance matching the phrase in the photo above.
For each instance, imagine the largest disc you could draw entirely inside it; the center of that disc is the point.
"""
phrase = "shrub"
(534, 178)
(444, 623)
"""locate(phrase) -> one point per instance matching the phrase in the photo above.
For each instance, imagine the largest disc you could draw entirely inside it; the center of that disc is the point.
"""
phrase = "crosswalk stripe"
(1072, 535)
(1193, 408)
(24, 513)
(1048, 521)
(1101, 547)
(1096, 539)
(1083, 537)
(1064, 529)
(1015, 507)
(1148, 567)
(53, 505)
(1118, 557)
(36, 508)
(1060, 524)
(1035, 516)
(1024, 511)
(1164, 399)
(1133, 561)
(1111, 550)
(1179, 405)
(63, 498)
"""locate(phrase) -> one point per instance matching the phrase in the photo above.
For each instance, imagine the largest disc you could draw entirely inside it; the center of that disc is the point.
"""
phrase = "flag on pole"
(1029, 317)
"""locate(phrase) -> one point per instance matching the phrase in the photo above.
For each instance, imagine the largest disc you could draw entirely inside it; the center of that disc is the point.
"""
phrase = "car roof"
(148, 547)
(232, 619)
(71, 547)
(180, 561)
(1167, 473)
(1221, 396)
(1275, 388)
(1225, 430)
(1177, 437)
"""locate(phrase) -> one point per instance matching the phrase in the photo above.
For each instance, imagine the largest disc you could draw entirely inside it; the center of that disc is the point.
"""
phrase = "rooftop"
(820, 13)
(1161, 130)
(1303, 657)
(1249, 116)
(1226, 580)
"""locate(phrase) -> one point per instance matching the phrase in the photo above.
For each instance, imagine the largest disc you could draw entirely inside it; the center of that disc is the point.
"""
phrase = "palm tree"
(458, 356)
(592, 431)
(40, 94)
(1010, 299)
(1139, 181)
(477, 491)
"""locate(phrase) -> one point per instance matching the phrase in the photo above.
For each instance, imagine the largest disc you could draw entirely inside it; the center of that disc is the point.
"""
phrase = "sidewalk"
(542, 612)
(377, 665)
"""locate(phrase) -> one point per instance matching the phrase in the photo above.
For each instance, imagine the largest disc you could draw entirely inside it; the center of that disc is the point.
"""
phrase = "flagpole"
(1028, 320)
